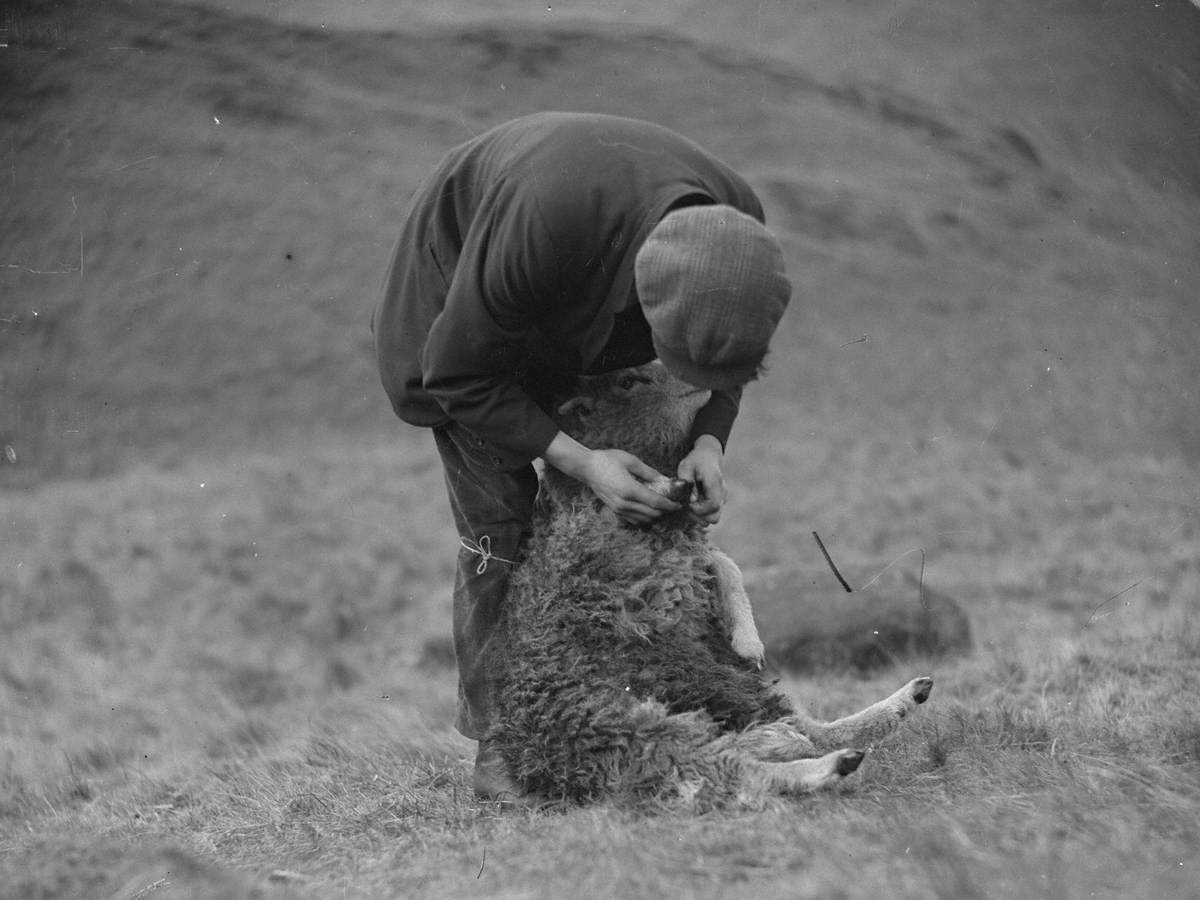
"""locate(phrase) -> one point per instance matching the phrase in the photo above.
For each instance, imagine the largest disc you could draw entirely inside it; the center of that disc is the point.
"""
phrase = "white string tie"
(482, 549)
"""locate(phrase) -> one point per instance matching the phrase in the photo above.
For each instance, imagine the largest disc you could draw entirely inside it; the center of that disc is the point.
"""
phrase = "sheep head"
(644, 410)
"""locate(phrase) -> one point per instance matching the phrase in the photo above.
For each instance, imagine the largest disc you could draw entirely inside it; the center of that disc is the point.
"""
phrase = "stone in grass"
(807, 627)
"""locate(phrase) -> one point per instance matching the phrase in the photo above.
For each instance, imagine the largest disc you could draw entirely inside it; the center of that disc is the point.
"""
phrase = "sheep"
(631, 669)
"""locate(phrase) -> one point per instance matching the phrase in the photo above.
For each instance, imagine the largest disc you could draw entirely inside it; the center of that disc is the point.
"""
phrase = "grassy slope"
(225, 657)
(155, 249)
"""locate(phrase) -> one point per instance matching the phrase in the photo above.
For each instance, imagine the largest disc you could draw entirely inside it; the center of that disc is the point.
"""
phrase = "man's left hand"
(703, 467)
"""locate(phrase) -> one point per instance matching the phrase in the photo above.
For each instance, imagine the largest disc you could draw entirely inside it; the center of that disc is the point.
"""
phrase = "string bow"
(482, 549)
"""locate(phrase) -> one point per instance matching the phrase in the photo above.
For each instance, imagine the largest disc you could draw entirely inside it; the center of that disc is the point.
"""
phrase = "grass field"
(227, 677)
(225, 569)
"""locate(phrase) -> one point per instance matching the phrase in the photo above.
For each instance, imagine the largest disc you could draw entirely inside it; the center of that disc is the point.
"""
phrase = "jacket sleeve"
(717, 416)
(506, 272)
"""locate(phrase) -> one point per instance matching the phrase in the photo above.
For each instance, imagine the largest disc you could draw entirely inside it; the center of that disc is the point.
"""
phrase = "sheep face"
(645, 410)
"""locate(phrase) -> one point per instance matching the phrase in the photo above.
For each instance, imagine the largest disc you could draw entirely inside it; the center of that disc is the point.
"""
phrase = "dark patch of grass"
(79, 865)
(18, 107)
(1181, 742)
(17, 798)
(70, 592)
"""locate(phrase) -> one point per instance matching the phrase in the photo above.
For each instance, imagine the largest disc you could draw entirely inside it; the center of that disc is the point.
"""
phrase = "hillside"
(202, 205)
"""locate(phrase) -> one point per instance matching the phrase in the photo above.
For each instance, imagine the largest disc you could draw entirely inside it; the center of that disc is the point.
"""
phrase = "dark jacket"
(516, 262)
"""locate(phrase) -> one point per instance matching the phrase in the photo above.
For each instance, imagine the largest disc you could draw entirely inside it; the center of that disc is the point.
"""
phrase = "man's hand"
(703, 466)
(618, 478)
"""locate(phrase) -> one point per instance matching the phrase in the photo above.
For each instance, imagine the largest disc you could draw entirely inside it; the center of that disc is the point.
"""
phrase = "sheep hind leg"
(801, 776)
(778, 741)
(865, 728)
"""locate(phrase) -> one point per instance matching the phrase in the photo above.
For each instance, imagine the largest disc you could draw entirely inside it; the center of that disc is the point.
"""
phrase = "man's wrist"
(567, 455)
(709, 442)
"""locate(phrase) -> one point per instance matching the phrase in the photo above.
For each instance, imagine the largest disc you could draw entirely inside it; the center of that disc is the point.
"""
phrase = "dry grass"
(193, 729)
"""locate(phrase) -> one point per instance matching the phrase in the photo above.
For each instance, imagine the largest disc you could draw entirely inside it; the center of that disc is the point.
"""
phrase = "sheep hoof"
(679, 490)
(849, 761)
(749, 646)
(921, 688)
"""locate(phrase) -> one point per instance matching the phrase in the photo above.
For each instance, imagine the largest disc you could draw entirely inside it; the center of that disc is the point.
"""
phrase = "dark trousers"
(492, 502)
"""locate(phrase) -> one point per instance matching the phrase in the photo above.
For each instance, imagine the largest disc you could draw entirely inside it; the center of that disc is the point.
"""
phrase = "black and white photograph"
(611, 449)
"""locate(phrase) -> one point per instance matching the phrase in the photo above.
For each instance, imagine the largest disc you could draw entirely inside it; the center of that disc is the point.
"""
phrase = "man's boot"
(492, 780)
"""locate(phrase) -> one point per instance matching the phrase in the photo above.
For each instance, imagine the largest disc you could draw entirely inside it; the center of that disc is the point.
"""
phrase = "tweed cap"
(712, 287)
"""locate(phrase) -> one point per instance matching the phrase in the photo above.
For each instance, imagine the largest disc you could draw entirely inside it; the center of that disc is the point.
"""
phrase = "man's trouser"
(492, 502)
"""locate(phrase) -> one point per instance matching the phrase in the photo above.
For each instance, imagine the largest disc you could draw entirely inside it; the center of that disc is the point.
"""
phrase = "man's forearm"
(567, 455)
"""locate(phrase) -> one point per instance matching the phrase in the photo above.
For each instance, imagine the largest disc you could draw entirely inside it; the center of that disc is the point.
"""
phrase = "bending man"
(552, 246)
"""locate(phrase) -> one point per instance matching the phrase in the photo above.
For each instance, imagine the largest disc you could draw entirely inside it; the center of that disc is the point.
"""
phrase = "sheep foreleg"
(739, 617)
(802, 776)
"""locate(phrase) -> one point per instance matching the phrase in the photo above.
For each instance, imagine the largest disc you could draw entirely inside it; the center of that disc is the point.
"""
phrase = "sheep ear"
(581, 405)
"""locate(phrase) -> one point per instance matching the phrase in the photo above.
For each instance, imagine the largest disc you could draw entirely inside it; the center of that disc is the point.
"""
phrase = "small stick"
(921, 582)
(825, 552)
(1099, 606)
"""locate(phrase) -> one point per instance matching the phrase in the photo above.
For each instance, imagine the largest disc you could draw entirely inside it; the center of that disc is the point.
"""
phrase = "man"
(556, 245)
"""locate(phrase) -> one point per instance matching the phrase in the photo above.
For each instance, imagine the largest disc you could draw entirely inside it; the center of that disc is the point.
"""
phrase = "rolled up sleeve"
(717, 416)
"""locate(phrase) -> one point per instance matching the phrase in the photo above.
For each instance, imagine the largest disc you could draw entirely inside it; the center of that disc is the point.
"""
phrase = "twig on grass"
(828, 559)
(482, 863)
(134, 163)
(67, 271)
(150, 889)
(879, 574)
(1099, 606)
(920, 578)
(921, 582)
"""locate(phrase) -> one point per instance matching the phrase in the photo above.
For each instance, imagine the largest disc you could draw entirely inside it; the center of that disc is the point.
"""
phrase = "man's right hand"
(618, 478)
